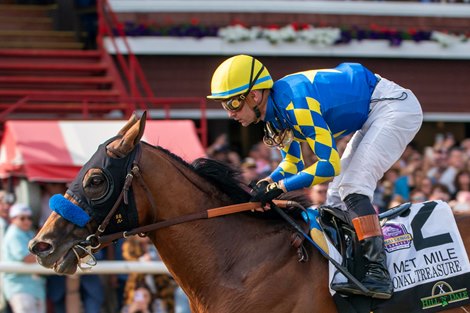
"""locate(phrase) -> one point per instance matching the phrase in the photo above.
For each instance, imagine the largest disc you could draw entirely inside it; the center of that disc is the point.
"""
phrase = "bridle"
(96, 239)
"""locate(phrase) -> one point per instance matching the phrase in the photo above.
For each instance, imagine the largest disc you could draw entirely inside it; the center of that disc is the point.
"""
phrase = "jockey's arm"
(292, 176)
(291, 163)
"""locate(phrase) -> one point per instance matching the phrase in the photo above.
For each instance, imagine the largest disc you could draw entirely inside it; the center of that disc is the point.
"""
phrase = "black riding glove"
(265, 192)
(257, 187)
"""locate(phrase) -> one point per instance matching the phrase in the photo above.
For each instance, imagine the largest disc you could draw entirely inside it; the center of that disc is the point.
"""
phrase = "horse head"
(97, 202)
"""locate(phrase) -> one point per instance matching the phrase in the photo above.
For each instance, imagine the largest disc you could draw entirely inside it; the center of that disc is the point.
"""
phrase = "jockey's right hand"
(265, 192)
(256, 190)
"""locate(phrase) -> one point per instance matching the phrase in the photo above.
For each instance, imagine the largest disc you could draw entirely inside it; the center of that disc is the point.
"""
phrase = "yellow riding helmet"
(239, 75)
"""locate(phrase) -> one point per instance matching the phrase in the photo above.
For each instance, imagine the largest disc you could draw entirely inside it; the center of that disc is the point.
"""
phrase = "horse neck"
(194, 252)
(210, 259)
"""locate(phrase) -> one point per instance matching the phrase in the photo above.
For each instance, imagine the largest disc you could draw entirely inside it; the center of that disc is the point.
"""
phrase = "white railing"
(391, 8)
(103, 267)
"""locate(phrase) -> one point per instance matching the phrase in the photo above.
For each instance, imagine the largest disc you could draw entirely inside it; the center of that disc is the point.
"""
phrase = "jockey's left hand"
(265, 192)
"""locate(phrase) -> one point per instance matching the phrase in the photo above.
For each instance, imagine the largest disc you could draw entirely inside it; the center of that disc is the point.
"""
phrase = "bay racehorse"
(235, 263)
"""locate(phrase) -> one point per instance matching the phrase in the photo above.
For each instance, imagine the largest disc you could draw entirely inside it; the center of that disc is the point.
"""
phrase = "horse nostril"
(41, 248)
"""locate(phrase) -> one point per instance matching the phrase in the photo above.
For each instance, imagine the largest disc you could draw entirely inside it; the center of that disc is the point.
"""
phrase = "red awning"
(54, 151)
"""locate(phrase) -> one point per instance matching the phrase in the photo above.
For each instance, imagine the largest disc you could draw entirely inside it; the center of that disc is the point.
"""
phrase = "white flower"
(256, 32)
(325, 36)
(235, 33)
(288, 33)
(447, 40)
(273, 35)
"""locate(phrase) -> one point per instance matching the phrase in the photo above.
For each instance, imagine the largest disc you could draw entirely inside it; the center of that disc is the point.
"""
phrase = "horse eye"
(96, 186)
(96, 180)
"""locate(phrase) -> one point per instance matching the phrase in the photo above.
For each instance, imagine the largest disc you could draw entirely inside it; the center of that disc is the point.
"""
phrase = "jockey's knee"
(359, 205)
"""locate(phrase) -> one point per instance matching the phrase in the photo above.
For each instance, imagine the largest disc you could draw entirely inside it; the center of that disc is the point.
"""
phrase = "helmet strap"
(256, 107)
(257, 113)
(252, 80)
(250, 86)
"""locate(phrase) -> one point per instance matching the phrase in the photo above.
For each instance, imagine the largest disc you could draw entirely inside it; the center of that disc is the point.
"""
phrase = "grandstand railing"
(138, 87)
(136, 94)
(109, 26)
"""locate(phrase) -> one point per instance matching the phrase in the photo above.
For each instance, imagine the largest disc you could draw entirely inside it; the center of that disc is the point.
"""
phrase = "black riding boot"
(377, 278)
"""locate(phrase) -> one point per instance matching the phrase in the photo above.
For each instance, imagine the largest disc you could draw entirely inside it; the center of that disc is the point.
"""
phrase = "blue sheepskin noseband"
(71, 212)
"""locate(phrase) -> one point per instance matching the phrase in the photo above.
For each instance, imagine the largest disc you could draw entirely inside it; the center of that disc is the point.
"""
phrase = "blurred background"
(71, 72)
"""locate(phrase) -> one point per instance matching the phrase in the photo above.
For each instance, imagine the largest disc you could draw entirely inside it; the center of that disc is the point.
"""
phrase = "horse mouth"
(66, 264)
(62, 261)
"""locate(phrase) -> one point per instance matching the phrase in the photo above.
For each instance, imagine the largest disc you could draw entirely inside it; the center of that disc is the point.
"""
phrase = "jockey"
(317, 106)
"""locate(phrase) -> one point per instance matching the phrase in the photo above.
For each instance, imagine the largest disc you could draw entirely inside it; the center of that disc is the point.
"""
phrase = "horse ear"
(132, 120)
(132, 135)
(137, 130)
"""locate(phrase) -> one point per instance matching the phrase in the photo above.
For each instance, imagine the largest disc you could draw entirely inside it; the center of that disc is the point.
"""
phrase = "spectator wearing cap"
(4, 221)
(26, 293)
(262, 155)
(249, 170)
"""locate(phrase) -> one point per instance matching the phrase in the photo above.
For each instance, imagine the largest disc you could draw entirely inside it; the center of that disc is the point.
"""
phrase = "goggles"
(277, 138)
(234, 104)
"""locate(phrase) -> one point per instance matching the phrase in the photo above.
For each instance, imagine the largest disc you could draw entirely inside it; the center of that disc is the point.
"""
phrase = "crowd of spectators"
(440, 171)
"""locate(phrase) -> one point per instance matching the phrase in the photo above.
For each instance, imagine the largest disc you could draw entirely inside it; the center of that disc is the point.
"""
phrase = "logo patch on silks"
(442, 295)
(396, 237)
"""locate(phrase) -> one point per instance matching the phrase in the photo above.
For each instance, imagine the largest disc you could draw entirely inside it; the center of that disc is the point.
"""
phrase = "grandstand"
(177, 44)
(170, 48)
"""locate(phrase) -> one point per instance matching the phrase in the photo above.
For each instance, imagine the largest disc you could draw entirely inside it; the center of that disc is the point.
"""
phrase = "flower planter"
(261, 47)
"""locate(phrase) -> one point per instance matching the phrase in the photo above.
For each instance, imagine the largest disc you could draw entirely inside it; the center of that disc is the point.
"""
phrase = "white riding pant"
(374, 148)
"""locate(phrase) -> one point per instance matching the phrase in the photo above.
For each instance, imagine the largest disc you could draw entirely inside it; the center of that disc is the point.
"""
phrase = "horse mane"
(228, 179)
(224, 177)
